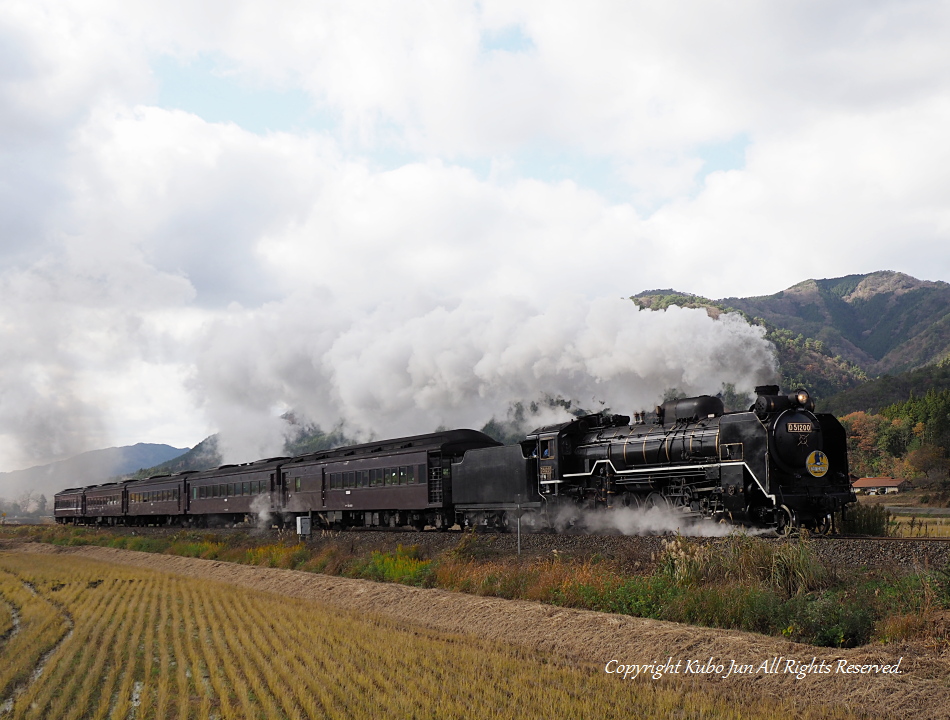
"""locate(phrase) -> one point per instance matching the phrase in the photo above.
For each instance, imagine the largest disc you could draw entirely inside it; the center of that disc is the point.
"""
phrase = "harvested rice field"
(101, 633)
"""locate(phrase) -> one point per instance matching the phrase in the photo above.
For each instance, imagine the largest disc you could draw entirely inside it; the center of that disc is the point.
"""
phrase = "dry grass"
(153, 645)
(41, 626)
(914, 526)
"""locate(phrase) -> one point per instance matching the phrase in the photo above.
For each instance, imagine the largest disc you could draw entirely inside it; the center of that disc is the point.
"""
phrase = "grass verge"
(739, 582)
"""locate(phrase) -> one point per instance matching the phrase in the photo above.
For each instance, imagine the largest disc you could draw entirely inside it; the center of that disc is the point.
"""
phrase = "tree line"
(906, 440)
(28, 504)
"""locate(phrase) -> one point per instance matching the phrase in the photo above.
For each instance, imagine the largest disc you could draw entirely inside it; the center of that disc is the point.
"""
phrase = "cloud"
(487, 181)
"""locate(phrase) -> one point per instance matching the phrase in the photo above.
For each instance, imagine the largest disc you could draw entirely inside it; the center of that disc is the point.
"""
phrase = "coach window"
(296, 484)
(402, 476)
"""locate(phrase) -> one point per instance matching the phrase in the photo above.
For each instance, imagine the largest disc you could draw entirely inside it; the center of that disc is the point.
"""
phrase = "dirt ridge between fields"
(921, 691)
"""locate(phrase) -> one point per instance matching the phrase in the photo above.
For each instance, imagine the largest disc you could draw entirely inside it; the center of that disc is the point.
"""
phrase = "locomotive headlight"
(802, 398)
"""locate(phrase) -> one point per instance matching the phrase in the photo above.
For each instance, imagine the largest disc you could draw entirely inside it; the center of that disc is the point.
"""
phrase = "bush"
(402, 566)
(865, 520)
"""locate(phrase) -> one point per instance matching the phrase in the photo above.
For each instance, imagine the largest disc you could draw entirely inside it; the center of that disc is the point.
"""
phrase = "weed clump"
(861, 519)
(405, 566)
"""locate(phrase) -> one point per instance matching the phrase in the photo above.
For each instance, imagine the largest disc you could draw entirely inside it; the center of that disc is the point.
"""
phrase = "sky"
(399, 216)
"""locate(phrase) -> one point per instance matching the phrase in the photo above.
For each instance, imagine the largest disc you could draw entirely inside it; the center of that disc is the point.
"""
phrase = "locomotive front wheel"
(823, 525)
(786, 521)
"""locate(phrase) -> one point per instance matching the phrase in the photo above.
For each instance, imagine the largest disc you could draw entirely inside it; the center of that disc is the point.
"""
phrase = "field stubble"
(150, 644)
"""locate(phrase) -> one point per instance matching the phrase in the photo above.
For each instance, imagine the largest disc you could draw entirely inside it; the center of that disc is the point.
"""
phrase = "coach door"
(436, 486)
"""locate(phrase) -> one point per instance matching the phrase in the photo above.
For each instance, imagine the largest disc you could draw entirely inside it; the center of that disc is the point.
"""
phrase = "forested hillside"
(907, 440)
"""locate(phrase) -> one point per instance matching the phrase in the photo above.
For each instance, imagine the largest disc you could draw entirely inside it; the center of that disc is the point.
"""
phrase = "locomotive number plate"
(798, 427)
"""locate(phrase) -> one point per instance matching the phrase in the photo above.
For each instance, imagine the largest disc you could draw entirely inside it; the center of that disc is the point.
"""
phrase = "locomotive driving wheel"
(628, 500)
(656, 500)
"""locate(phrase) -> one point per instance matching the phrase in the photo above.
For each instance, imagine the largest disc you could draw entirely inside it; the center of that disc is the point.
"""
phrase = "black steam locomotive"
(778, 465)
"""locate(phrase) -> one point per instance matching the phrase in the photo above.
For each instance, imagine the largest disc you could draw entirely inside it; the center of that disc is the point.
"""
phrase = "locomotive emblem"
(817, 464)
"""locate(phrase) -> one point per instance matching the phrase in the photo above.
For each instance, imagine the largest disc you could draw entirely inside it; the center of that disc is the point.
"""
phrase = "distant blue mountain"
(89, 468)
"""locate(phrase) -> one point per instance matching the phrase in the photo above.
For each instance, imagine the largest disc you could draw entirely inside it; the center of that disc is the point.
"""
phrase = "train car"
(105, 504)
(159, 499)
(406, 481)
(235, 493)
(69, 506)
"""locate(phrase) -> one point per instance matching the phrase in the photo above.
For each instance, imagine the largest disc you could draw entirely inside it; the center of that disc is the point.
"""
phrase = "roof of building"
(878, 482)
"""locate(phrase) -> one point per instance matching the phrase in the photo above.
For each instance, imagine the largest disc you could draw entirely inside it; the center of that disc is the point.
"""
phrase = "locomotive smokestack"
(766, 390)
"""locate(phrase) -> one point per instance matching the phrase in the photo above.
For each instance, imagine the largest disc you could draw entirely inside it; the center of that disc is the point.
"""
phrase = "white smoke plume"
(411, 368)
(260, 506)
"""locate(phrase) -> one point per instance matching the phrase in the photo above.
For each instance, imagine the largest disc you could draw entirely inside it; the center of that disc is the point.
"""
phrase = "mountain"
(832, 335)
(883, 322)
(202, 456)
(205, 455)
(88, 468)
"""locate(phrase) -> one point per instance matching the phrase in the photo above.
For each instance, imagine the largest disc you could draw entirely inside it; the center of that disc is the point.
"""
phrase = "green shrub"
(865, 520)
(402, 566)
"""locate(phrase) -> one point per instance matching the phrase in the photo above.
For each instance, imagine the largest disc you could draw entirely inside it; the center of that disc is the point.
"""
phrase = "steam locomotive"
(777, 465)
